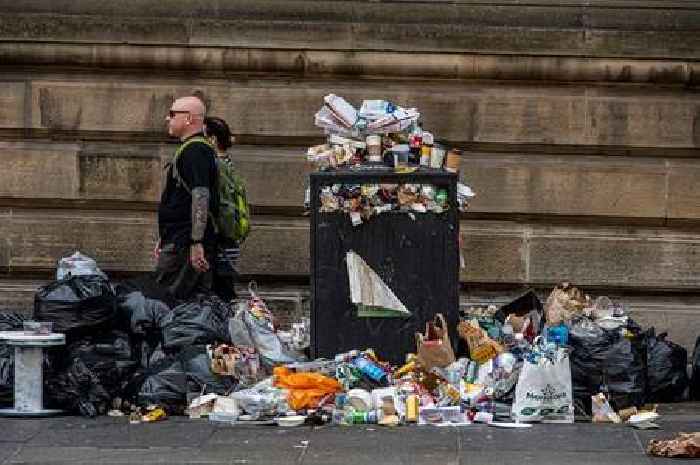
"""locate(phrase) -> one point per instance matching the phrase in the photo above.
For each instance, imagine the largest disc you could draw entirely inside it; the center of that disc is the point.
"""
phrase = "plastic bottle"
(558, 334)
(470, 377)
(370, 369)
(415, 143)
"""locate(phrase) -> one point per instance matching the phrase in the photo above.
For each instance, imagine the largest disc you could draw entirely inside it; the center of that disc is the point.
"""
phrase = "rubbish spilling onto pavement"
(226, 362)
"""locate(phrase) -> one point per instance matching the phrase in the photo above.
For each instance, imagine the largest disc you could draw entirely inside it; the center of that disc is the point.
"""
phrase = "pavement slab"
(369, 444)
(108, 432)
(578, 437)
(181, 441)
(270, 445)
(19, 430)
(107, 456)
(9, 450)
(533, 457)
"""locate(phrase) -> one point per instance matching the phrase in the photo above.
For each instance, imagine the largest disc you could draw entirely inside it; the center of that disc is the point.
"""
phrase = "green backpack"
(233, 221)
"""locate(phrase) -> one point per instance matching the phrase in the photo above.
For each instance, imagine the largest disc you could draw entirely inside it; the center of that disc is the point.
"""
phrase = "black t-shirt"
(196, 165)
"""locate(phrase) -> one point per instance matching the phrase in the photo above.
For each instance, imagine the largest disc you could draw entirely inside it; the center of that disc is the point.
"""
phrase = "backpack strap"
(178, 152)
(178, 177)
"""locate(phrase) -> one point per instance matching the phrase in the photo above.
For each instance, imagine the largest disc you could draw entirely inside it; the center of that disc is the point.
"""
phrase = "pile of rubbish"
(381, 136)
(361, 202)
(126, 352)
(685, 445)
(526, 362)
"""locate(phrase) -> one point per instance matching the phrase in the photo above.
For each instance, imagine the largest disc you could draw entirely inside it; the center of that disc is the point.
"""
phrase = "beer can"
(412, 404)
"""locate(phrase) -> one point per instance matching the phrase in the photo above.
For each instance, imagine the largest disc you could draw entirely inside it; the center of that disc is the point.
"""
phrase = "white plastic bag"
(252, 327)
(262, 400)
(544, 391)
(77, 265)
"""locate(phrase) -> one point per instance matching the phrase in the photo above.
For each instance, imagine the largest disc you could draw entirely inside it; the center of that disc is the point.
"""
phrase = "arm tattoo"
(200, 209)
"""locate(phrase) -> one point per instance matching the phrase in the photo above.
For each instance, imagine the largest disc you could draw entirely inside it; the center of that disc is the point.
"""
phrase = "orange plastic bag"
(305, 389)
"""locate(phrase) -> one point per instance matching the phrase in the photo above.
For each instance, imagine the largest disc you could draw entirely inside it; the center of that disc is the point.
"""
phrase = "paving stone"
(19, 429)
(389, 446)
(109, 432)
(499, 457)
(674, 461)
(94, 455)
(259, 444)
(8, 450)
(577, 437)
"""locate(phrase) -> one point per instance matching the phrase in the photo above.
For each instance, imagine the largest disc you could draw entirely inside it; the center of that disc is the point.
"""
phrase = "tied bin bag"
(434, 348)
(695, 377)
(667, 378)
(77, 305)
(601, 357)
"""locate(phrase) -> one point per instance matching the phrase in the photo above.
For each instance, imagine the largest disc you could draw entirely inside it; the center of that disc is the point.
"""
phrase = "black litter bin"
(418, 258)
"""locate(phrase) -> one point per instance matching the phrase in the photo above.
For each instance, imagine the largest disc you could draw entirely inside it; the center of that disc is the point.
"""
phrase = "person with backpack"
(189, 204)
(225, 269)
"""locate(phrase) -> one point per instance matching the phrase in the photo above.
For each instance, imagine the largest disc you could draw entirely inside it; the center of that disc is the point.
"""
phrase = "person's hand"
(199, 263)
(156, 251)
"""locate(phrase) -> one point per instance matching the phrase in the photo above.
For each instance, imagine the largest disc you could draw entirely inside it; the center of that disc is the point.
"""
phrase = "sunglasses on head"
(172, 113)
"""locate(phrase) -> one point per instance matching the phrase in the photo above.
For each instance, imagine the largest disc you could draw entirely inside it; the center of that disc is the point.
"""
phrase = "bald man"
(187, 244)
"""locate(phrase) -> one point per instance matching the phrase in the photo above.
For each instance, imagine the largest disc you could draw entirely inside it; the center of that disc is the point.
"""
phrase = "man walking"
(187, 244)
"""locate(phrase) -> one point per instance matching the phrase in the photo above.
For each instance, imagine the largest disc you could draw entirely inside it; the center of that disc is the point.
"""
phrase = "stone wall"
(580, 123)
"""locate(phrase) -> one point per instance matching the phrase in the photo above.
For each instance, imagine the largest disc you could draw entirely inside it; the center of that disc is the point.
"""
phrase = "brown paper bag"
(434, 348)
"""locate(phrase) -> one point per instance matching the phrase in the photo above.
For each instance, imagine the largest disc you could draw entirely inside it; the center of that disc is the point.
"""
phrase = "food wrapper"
(481, 347)
(685, 445)
(602, 411)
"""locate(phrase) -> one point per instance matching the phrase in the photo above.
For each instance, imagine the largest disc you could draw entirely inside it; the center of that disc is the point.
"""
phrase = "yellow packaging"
(412, 403)
(157, 414)
(407, 368)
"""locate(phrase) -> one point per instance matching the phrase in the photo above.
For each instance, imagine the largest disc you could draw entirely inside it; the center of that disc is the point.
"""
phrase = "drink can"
(471, 372)
(412, 404)
(358, 418)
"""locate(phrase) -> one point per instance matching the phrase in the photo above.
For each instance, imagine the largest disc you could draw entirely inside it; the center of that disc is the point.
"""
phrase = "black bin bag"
(203, 320)
(73, 387)
(599, 357)
(140, 315)
(164, 385)
(695, 367)
(87, 375)
(77, 306)
(667, 375)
